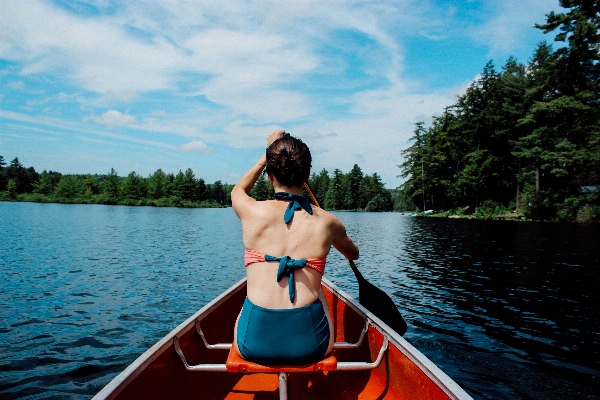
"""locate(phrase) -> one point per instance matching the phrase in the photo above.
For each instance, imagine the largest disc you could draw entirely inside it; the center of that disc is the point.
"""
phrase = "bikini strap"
(295, 203)
(286, 268)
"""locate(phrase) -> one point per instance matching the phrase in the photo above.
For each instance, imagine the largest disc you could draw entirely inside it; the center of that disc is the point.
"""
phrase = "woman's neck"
(297, 190)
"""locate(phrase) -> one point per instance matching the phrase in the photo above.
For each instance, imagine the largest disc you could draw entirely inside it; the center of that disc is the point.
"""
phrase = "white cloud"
(197, 146)
(231, 72)
(509, 22)
(16, 85)
(64, 124)
(113, 118)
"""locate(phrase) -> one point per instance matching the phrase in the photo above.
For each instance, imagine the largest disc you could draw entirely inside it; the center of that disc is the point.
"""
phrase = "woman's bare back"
(305, 237)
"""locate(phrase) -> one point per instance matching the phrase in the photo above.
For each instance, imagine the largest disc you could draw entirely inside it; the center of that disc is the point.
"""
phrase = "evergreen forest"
(525, 137)
(353, 190)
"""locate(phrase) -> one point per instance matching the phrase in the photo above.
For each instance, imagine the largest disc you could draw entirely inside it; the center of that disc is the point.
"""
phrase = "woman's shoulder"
(327, 217)
(255, 208)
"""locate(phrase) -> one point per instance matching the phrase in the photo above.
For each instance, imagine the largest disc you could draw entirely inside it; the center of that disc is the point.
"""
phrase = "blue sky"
(87, 86)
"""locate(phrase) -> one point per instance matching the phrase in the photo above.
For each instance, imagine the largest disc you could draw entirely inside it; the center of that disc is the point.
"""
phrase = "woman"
(285, 318)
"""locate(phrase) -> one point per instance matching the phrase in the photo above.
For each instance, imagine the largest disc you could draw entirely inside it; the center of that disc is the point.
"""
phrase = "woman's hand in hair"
(274, 136)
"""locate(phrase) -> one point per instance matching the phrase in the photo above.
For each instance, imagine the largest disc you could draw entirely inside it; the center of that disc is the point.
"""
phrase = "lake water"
(508, 310)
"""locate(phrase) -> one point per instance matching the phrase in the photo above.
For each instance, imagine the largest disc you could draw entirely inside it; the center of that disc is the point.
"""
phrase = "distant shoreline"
(168, 202)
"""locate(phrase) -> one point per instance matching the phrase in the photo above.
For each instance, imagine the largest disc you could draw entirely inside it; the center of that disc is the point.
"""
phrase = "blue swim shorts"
(290, 336)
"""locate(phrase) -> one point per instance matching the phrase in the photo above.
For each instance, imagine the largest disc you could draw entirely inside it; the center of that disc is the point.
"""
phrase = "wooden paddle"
(369, 296)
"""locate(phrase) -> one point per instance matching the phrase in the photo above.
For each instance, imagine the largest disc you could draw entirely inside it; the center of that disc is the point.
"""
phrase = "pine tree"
(133, 187)
(110, 185)
(45, 185)
(201, 190)
(354, 177)
(11, 188)
(157, 184)
(320, 184)
(260, 190)
(69, 187)
(91, 187)
(334, 198)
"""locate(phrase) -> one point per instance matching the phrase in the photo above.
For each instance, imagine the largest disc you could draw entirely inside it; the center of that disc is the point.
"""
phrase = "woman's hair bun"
(289, 159)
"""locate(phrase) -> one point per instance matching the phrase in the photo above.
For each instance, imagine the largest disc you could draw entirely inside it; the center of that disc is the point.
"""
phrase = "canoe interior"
(159, 373)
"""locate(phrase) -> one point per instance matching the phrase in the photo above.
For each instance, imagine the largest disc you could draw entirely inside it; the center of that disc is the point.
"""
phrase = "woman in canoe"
(285, 318)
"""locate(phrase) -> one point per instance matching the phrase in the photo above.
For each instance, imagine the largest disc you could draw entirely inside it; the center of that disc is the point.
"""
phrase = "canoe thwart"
(216, 346)
(199, 367)
(354, 366)
(346, 345)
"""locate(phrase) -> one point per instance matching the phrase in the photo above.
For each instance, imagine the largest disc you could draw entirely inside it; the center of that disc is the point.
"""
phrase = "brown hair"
(289, 160)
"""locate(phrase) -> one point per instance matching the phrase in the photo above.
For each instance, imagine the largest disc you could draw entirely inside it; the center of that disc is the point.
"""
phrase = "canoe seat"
(235, 363)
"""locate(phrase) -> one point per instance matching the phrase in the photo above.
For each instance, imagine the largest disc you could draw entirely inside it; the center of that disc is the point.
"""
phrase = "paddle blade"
(379, 303)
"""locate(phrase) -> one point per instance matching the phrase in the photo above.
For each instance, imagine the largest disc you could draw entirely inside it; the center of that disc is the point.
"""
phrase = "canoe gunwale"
(115, 386)
(439, 377)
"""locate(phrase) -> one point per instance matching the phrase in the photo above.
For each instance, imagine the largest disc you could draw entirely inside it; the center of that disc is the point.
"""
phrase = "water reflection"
(518, 300)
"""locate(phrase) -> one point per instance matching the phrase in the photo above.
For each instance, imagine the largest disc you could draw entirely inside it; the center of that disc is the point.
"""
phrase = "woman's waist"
(316, 302)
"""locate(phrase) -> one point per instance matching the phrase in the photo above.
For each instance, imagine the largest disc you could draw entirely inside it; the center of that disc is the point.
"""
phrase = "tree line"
(526, 137)
(159, 189)
(351, 191)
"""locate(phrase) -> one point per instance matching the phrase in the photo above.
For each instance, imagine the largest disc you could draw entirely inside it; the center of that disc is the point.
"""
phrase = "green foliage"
(91, 187)
(336, 193)
(201, 191)
(218, 194)
(372, 195)
(159, 189)
(110, 185)
(528, 135)
(23, 178)
(260, 191)
(158, 185)
(45, 185)
(351, 191)
(588, 213)
(133, 187)
(320, 184)
(11, 189)
(402, 202)
(69, 187)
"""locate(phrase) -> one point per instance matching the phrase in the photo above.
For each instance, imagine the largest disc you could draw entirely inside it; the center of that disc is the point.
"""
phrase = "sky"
(86, 86)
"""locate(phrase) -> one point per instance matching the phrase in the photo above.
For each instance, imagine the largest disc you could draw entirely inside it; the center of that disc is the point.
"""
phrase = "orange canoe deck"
(404, 372)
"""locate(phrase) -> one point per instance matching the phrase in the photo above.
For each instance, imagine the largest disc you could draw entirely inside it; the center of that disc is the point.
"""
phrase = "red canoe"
(369, 361)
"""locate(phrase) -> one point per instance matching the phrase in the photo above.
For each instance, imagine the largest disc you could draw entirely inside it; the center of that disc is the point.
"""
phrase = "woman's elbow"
(355, 253)
(351, 252)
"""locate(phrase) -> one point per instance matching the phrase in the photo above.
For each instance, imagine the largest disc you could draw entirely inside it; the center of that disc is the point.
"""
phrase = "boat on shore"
(195, 360)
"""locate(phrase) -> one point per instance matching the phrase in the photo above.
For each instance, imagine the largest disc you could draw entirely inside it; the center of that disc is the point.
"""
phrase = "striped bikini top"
(253, 256)
(287, 265)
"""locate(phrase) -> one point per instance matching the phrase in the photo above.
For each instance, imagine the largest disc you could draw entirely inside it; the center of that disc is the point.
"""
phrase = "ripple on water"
(506, 309)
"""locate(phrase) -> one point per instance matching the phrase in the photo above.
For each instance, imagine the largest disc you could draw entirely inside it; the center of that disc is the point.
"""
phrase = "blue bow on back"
(296, 203)
(286, 268)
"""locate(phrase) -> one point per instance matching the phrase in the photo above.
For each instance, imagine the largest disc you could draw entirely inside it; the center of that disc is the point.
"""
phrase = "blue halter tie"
(286, 268)
(296, 203)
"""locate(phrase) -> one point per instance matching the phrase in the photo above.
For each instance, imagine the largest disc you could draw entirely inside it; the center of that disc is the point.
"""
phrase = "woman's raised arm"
(240, 193)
